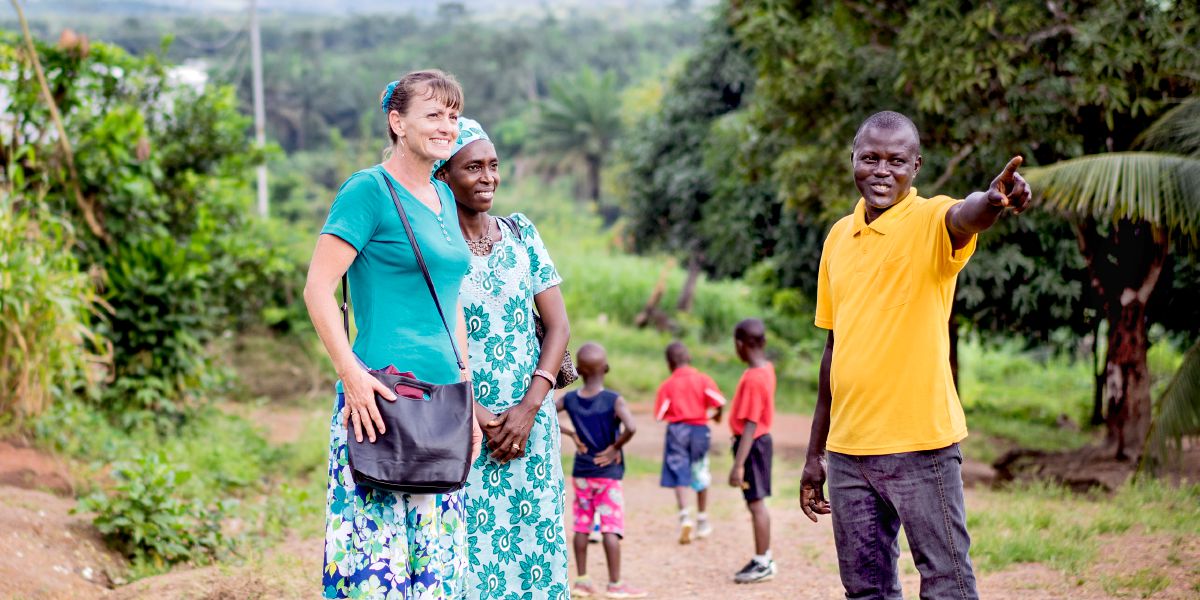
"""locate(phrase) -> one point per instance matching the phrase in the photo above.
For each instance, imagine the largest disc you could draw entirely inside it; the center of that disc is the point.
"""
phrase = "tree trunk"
(1127, 381)
(687, 297)
(1125, 266)
(593, 177)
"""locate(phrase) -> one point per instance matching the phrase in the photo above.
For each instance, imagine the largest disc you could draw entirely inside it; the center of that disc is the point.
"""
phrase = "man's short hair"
(888, 120)
(751, 332)
(677, 354)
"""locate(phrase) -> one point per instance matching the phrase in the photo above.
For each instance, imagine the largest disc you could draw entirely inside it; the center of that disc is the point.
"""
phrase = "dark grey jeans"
(872, 496)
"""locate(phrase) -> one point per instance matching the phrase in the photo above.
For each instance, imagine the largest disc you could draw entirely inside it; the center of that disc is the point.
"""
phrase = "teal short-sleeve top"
(395, 315)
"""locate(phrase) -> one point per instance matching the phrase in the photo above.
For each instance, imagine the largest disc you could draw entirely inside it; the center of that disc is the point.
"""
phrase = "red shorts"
(599, 496)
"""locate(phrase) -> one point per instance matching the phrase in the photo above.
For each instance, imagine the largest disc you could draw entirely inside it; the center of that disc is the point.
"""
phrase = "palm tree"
(1178, 413)
(1128, 209)
(579, 122)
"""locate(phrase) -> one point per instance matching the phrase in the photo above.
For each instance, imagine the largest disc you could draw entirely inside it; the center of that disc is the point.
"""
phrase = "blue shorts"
(685, 457)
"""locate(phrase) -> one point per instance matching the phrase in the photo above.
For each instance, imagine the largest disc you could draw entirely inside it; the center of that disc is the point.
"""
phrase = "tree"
(1128, 208)
(1178, 412)
(166, 171)
(579, 122)
(983, 81)
(672, 178)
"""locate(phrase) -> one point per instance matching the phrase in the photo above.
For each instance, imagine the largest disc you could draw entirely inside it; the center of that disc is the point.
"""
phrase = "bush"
(46, 344)
(166, 170)
(145, 519)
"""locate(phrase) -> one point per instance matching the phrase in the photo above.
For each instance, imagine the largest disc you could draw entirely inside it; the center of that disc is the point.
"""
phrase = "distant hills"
(148, 8)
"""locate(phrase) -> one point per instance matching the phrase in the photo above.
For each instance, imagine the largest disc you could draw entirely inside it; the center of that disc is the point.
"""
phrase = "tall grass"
(605, 287)
(46, 344)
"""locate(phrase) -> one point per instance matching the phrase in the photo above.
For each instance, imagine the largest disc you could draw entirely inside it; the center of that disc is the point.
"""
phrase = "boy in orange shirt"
(683, 401)
(750, 420)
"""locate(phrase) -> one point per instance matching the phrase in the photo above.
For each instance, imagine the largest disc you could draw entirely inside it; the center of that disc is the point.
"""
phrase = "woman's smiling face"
(473, 174)
(429, 127)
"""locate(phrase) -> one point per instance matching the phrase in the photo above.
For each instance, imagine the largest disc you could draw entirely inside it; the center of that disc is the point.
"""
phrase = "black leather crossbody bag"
(427, 445)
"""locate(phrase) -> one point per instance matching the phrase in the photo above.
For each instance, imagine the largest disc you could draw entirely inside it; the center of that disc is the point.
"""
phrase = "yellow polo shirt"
(886, 289)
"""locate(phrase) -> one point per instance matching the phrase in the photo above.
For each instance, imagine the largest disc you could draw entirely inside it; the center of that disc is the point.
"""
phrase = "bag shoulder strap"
(412, 240)
(512, 224)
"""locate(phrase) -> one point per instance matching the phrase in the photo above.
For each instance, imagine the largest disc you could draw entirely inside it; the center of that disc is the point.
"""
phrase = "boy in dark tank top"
(601, 425)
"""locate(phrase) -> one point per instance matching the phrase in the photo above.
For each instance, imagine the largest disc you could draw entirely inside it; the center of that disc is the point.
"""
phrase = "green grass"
(1043, 523)
(1014, 398)
(604, 288)
(1142, 583)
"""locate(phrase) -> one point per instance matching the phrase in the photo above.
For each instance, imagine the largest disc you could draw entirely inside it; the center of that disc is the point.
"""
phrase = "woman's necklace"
(483, 245)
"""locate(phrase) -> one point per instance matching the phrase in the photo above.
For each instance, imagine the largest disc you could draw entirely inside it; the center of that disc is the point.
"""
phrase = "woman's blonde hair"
(438, 85)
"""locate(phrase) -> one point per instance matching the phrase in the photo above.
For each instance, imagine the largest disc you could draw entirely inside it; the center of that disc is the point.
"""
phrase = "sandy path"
(804, 552)
(652, 557)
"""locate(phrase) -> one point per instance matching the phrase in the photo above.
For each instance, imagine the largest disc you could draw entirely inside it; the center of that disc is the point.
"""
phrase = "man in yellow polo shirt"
(888, 419)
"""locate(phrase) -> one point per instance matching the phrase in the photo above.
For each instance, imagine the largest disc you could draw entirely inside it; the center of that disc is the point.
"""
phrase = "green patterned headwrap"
(469, 130)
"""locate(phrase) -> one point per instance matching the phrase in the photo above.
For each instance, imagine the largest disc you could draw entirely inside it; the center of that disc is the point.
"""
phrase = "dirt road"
(49, 552)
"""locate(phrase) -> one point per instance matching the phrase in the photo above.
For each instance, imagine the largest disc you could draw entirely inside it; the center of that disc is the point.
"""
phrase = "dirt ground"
(50, 553)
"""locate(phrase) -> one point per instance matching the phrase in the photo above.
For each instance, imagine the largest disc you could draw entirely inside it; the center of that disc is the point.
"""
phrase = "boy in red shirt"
(683, 401)
(750, 419)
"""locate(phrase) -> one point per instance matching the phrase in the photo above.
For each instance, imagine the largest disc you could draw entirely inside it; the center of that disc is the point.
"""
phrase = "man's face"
(885, 163)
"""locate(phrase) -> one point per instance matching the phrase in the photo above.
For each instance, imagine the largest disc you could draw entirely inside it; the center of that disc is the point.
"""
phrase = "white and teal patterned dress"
(515, 535)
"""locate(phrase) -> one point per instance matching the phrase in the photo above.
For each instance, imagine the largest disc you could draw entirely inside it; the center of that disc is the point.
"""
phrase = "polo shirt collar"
(885, 223)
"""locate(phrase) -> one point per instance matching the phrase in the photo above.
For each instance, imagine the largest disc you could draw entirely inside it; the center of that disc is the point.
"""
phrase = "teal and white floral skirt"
(387, 546)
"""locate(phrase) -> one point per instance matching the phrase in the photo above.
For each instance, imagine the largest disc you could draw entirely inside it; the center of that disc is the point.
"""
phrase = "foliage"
(1129, 207)
(1140, 186)
(166, 167)
(671, 185)
(604, 289)
(322, 76)
(578, 123)
(145, 519)
(1177, 413)
(47, 347)
(982, 82)
(1021, 398)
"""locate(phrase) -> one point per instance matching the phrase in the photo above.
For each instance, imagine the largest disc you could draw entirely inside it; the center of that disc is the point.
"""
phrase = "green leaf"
(1162, 189)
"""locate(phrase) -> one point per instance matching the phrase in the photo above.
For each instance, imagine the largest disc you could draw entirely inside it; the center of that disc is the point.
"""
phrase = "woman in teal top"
(382, 545)
(514, 494)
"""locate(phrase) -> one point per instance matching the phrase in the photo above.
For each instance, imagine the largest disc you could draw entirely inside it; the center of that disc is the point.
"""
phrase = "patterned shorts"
(597, 495)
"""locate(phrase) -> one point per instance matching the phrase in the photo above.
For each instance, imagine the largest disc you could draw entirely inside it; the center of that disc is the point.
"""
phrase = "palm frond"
(581, 115)
(1177, 131)
(1178, 414)
(1161, 188)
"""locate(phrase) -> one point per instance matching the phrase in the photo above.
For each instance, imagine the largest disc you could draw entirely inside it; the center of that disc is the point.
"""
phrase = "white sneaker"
(755, 572)
(703, 529)
(685, 531)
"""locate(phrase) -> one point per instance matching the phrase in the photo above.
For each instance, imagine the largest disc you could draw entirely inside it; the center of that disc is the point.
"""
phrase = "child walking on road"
(750, 419)
(601, 425)
(683, 401)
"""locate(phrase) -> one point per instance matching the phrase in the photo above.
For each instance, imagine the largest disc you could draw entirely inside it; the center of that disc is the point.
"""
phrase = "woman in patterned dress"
(382, 545)
(514, 495)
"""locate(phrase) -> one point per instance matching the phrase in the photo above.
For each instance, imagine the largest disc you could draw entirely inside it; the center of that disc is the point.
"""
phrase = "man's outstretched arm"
(981, 209)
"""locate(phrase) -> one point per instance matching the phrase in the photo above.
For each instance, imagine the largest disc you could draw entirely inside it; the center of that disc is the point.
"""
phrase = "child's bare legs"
(612, 552)
(581, 543)
(702, 501)
(762, 525)
(681, 497)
